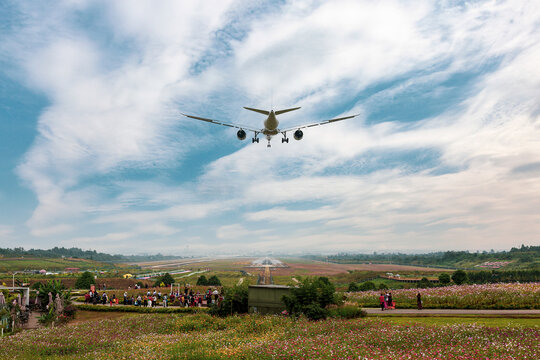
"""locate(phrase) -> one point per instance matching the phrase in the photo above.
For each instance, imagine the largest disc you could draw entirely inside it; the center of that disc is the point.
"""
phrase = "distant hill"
(525, 257)
(76, 253)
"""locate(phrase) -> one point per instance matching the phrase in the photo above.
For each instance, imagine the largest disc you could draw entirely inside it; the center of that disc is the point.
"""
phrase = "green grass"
(49, 264)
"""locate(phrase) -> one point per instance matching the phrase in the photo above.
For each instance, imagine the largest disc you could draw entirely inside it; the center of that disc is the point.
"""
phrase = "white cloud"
(111, 114)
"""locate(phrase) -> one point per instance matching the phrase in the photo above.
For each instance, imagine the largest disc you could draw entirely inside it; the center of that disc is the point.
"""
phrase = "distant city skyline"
(94, 154)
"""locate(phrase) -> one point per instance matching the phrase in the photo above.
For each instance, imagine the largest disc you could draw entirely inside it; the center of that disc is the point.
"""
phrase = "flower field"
(487, 296)
(271, 337)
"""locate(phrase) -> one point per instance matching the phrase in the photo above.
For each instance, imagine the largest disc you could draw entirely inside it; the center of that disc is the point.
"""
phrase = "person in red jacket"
(381, 300)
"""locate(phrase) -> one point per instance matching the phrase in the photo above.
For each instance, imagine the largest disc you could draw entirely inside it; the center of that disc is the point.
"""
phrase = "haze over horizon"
(94, 154)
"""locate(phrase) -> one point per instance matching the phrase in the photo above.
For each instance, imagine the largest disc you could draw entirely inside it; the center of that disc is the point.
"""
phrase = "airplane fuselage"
(271, 125)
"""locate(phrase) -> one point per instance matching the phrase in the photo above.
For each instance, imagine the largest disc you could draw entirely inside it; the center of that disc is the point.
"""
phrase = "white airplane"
(270, 125)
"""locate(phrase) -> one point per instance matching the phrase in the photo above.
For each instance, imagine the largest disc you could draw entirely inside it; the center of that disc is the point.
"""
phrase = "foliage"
(311, 298)
(235, 301)
(202, 280)
(213, 281)
(85, 280)
(367, 285)
(444, 279)
(142, 309)
(353, 287)
(459, 277)
(347, 312)
(270, 337)
(487, 296)
(54, 287)
(523, 257)
(424, 283)
(73, 252)
(383, 286)
(165, 279)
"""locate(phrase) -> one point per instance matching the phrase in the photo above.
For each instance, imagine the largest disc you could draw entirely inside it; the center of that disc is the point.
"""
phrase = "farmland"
(255, 337)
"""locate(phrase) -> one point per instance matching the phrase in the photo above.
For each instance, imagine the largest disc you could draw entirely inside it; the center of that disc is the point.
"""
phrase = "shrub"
(202, 280)
(459, 277)
(165, 279)
(309, 296)
(444, 279)
(235, 302)
(424, 283)
(85, 280)
(315, 312)
(368, 285)
(214, 280)
(353, 287)
(382, 286)
(348, 312)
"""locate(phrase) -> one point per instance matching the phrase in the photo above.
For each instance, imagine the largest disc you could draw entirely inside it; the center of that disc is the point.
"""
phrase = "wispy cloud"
(443, 153)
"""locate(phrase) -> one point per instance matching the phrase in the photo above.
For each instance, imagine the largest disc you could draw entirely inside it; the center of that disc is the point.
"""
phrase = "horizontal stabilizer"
(259, 111)
(286, 110)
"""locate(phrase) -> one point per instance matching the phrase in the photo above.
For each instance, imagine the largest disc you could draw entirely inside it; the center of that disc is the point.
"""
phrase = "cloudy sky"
(445, 154)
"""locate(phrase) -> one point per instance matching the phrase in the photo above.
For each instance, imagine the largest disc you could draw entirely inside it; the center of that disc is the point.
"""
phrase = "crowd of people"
(188, 298)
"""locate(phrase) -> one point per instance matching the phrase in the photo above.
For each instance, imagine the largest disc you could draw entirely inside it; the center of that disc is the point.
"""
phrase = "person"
(390, 301)
(164, 300)
(381, 300)
(419, 301)
(125, 297)
(386, 301)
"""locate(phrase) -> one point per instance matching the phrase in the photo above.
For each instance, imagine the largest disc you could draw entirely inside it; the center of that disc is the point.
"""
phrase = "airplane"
(270, 125)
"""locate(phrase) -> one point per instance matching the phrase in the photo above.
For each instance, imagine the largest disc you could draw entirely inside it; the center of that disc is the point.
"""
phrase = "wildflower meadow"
(486, 296)
(173, 336)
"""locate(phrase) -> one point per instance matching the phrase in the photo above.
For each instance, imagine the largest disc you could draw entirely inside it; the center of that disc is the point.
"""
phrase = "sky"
(444, 154)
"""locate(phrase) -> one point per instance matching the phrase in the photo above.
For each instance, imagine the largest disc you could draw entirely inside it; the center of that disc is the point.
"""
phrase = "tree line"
(58, 252)
(523, 255)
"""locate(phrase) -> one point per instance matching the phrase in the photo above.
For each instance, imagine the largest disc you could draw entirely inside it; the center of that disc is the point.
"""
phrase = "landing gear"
(285, 140)
(268, 144)
(255, 140)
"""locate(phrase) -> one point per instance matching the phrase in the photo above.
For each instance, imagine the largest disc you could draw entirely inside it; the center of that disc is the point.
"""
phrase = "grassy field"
(256, 337)
(49, 264)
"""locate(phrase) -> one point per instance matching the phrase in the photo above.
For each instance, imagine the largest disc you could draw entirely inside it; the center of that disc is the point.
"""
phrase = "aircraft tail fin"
(257, 110)
(286, 110)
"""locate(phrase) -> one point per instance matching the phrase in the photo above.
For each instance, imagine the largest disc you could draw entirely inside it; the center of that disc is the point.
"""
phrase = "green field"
(50, 264)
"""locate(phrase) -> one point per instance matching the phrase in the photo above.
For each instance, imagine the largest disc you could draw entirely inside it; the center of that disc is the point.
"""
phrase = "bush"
(459, 277)
(315, 312)
(424, 283)
(165, 279)
(85, 280)
(202, 280)
(214, 280)
(444, 279)
(235, 302)
(368, 285)
(348, 312)
(353, 287)
(382, 286)
(309, 296)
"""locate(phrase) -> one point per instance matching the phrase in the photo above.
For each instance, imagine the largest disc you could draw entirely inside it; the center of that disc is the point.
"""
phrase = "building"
(266, 299)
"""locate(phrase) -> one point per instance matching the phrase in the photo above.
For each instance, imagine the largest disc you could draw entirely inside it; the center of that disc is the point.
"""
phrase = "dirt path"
(32, 322)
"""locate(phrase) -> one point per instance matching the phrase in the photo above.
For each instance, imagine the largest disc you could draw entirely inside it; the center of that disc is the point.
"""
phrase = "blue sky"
(444, 155)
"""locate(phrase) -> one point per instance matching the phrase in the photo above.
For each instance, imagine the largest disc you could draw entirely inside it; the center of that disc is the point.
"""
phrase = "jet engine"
(298, 134)
(241, 134)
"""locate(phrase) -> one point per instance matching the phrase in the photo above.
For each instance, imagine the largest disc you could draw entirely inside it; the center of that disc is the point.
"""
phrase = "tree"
(444, 279)
(214, 280)
(424, 283)
(311, 298)
(459, 277)
(85, 280)
(367, 285)
(165, 279)
(383, 286)
(202, 280)
(235, 301)
(353, 287)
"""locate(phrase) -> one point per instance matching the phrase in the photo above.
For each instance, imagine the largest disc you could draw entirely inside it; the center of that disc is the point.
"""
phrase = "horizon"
(443, 155)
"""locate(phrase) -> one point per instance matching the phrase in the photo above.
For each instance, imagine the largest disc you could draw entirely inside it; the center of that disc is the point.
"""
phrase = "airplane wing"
(317, 123)
(219, 122)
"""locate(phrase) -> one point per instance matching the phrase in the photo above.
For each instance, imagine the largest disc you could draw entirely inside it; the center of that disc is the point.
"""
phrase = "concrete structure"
(266, 299)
